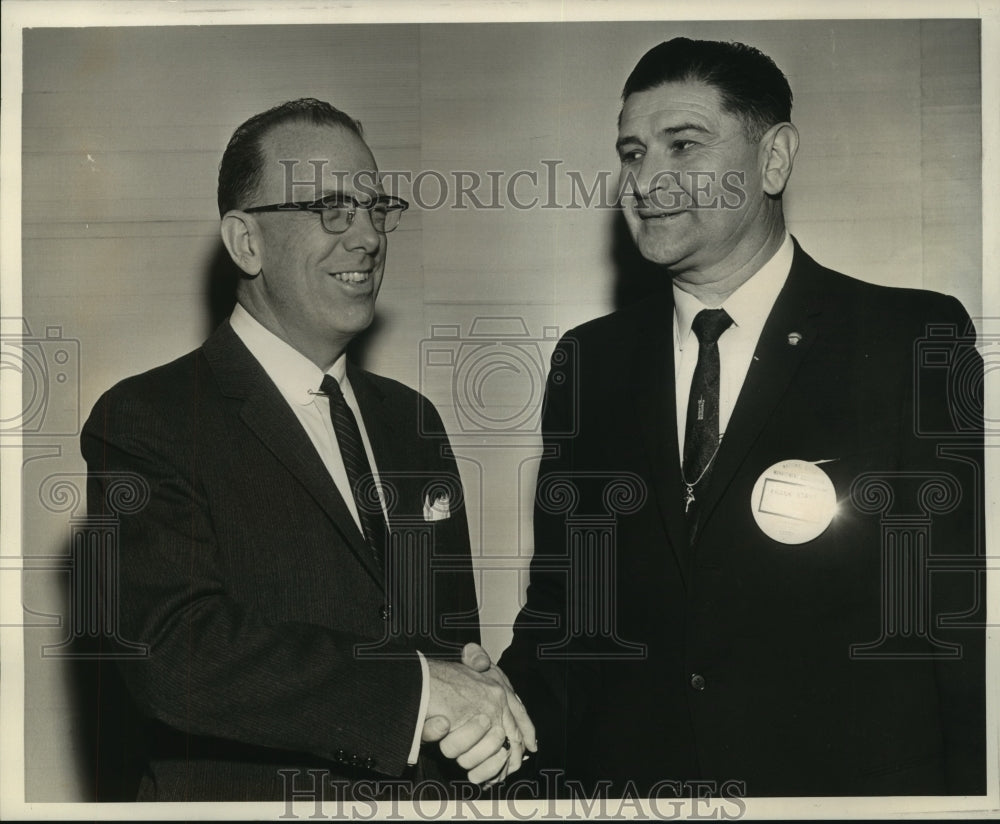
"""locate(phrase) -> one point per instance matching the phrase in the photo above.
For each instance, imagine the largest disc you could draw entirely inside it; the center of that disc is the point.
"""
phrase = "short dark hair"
(749, 83)
(242, 163)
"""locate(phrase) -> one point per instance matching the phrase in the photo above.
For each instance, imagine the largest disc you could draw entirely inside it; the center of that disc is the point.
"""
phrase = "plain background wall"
(123, 129)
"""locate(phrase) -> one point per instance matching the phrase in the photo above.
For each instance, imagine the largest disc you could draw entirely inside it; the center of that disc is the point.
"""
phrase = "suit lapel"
(798, 309)
(653, 396)
(268, 416)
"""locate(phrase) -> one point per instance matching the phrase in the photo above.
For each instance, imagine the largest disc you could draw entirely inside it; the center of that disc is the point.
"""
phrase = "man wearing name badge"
(756, 624)
(287, 649)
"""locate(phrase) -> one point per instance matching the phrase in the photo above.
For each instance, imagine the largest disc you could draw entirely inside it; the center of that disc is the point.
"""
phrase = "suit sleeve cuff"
(425, 698)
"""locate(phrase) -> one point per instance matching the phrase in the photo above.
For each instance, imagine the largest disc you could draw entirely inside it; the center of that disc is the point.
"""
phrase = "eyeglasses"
(336, 212)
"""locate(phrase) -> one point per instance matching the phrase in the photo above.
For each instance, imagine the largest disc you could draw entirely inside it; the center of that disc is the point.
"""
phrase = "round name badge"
(793, 501)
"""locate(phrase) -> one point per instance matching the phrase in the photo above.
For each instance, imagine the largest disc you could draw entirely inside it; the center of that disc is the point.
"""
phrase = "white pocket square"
(437, 509)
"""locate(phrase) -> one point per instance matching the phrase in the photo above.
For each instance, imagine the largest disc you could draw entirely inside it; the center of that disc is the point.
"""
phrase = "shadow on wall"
(222, 276)
(112, 749)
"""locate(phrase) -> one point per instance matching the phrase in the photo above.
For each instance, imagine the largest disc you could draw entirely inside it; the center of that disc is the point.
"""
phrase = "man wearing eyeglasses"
(280, 572)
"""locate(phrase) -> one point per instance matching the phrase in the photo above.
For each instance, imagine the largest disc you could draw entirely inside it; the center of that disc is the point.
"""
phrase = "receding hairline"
(268, 137)
(293, 163)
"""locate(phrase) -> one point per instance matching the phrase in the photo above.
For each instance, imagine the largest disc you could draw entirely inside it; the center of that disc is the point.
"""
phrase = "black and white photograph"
(513, 410)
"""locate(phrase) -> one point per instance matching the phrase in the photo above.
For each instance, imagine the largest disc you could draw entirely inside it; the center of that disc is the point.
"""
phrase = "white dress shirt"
(298, 380)
(749, 307)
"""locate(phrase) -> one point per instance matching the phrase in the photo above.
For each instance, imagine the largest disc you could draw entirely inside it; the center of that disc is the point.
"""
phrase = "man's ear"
(778, 147)
(242, 240)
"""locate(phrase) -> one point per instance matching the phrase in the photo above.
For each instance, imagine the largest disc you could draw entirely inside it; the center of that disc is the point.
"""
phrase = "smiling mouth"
(352, 277)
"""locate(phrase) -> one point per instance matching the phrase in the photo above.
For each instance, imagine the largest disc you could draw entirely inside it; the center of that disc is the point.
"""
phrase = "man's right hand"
(473, 711)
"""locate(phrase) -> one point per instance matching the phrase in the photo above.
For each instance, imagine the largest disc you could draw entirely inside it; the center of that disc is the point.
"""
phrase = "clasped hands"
(475, 716)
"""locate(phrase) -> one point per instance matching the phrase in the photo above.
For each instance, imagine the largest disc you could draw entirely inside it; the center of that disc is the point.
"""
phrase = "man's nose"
(654, 183)
(640, 179)
(361, 234)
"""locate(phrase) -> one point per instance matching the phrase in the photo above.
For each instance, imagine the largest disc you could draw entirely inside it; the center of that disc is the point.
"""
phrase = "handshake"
(477, 719)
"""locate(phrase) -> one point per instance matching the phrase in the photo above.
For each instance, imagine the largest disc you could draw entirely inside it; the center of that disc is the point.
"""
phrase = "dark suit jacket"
(274, 640)
(732, 660)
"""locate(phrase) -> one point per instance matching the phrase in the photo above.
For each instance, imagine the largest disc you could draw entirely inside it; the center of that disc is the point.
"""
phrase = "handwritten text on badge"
(793, 501)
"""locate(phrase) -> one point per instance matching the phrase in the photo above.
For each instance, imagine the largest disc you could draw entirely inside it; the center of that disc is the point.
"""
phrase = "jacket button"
(370, 763)
(698, 682)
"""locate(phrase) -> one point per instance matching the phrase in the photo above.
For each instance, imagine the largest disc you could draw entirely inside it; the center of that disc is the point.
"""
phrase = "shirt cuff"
(425, 697)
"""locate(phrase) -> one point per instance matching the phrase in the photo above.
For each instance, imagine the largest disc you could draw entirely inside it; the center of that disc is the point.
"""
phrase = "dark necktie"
(701, 435)
(359, 471)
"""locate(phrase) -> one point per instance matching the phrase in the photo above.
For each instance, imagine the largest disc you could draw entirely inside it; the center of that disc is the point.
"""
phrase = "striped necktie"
(359, 471)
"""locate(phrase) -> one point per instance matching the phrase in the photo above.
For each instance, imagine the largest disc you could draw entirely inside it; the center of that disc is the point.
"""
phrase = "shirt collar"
(749, 305)
(296, 377)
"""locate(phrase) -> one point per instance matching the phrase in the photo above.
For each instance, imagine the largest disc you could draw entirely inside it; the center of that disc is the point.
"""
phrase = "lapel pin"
(794, 338)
